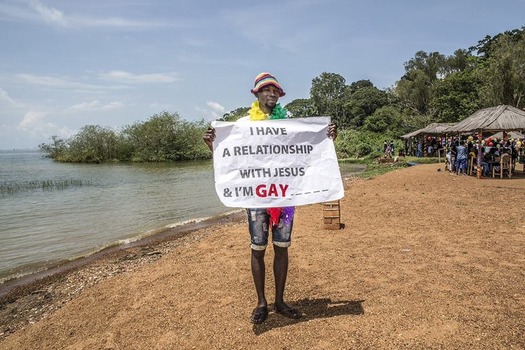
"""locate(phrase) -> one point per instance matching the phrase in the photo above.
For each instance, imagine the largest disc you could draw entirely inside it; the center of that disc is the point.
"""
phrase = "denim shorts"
(258, 224)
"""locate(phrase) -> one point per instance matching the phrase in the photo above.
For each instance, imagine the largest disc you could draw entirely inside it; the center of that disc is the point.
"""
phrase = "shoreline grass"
(12, 187)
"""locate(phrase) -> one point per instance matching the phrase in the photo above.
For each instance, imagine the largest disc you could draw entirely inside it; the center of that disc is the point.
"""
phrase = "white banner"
(275, 163)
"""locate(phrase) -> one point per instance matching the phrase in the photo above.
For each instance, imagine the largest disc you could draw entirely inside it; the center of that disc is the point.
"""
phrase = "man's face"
(268, 97)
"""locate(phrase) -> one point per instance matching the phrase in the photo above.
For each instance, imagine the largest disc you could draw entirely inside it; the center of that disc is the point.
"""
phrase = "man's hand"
(209, 137)
(332, 131)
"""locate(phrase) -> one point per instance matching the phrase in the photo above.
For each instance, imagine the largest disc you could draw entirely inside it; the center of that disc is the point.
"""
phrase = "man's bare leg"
(260, 313)
(280, 270)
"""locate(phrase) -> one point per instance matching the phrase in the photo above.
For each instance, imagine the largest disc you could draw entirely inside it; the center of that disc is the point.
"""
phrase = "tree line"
(434, 88)
(163, 137)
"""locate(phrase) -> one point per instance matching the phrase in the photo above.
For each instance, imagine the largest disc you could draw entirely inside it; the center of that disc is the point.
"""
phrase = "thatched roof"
(500, 118)
(511, 134)
(431, 129)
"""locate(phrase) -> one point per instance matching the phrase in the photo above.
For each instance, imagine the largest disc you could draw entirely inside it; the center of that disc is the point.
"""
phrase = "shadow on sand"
(311, 309)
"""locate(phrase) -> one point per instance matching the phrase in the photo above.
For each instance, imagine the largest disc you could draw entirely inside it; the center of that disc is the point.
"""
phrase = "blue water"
(105, 204)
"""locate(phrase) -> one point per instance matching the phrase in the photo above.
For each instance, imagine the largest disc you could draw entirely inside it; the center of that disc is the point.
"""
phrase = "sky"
(67, 64)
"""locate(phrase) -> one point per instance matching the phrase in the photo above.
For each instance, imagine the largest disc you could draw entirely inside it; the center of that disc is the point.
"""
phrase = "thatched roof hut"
(431, 129)
(500, 118)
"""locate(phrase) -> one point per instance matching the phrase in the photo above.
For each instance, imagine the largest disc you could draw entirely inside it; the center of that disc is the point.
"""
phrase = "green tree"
(386, 119)
(421, 72)
(327, 94)
(54, 149)
(360, 84)
(414, 91)
(354, 143)
(455, 97)
(188, 144)
(503, 71)
(163, 137)
(154, 139)
(460, 61)
(431, 64)
(300, 108)
(487, 46)
(93, 144)
(235, 114)
(361, 104)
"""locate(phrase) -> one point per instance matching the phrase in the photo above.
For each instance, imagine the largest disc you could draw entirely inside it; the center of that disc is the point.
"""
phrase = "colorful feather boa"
(256, 112)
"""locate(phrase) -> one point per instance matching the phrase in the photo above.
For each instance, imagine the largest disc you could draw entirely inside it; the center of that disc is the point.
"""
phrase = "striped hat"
(264, 79)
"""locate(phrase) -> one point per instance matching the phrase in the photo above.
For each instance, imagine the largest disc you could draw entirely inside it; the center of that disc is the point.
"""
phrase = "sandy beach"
(427, 260)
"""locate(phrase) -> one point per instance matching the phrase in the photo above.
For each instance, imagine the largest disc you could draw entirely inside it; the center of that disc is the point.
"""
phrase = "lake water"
(52, 212)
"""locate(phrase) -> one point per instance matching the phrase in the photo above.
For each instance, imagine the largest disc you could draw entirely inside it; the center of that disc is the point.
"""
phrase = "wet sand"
(426, 260)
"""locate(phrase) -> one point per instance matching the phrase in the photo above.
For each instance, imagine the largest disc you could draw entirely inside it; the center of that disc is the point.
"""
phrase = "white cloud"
(118, 77)
(36, 11)
(216, 107)
(214, 111)
(43, 80)
(50, 15)
(34, 127)
(126, 77)
(31, 119)
(95, 105)
(4, 96)
(112, 106)
(117, 22)
(60, 82)
(43, 132)
(83, 106)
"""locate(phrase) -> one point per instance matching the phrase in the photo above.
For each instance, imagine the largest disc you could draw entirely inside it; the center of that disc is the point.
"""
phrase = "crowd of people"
(459, 151)
(429, 147)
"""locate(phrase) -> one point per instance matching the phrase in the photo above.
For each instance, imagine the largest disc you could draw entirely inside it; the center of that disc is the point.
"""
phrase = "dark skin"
(268, 97)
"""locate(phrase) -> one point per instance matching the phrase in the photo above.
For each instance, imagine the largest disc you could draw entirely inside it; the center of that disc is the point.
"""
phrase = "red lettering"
(271, 191)
(260, 191)
(284, 188)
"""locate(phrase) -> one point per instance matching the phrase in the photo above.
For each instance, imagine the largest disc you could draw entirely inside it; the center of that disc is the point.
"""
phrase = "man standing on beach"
(267, 90)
